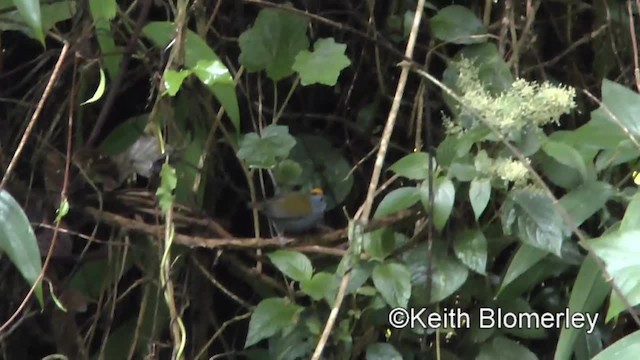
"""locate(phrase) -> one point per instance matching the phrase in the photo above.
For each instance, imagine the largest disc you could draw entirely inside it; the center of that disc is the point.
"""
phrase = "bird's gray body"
(296, 224)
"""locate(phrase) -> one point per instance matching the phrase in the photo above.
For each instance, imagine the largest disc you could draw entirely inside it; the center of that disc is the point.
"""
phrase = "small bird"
(294, 212)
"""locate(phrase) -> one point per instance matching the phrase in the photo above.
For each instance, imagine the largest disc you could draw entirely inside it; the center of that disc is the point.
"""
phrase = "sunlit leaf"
(323, 65)
(295, 265)
(99, 90)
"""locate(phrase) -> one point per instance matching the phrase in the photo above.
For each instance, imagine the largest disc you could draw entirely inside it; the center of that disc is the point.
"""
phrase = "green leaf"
(566, 155)
(273, 42)
(323, 65)
(212, 73)
(522, 260)
(62, 210)
(587, 295)
(604, 132)
(380, 243)
(270, 316)
(626, 348)
(173, 80)
(584, 201)
(56, 12)
(620, 250)
(624, 104)
(625, 152)
(471, 249)
(30, 12)
(103, 9)
(317, 286)
(414, 166)
(168, 182)
(539, 224)
(293, 264)
(393, 281)
(504, 349)
(631, 219)
(19, 242)
(204, 62)
(479, 194)
(448, 274)
(446, 151)
(457, 24)
(444, 195)
(398, 199)
(382, 351)
(99, 90)
(265, 151)
(287, 172)
(463, 171)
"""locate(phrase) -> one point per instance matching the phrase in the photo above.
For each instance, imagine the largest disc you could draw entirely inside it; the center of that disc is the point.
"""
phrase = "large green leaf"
(393, 281)
(269, 317)
(264, 151)
(204, 63)
(522, 260)
(18, 241)
(584, 201)
(398, 199)
(293, 264)
(56, 12)
(323, 65)
(566, 155)
(273, 42)
(479, 195)
(317, 286)
(604, 132)
(539, 223)
(447, 277)
(471, 249)
(588, 292)
(626, 348)
(457, 24)
(414, 166)
(620, 251)
(30, 11)
(444, 196)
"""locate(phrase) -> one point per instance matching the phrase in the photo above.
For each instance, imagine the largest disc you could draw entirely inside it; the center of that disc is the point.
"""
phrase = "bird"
(294, 212)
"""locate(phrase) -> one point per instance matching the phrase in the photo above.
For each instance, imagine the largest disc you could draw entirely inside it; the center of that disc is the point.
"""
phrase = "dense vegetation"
(475, 156)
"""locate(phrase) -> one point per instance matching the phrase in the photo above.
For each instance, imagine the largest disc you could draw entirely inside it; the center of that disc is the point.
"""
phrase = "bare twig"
(14, 160)
(365, 210)
(36, 115)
